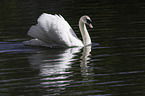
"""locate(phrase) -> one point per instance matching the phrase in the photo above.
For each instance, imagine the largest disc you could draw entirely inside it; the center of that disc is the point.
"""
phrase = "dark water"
(113, 66)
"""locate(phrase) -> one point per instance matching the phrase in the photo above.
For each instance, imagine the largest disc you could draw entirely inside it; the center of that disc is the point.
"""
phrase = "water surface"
(113, 66)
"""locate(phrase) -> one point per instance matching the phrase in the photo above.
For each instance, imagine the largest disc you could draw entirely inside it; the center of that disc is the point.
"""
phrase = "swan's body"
(54, 31)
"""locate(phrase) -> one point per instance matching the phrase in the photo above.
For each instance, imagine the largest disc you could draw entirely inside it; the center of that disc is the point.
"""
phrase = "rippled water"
(113, 66)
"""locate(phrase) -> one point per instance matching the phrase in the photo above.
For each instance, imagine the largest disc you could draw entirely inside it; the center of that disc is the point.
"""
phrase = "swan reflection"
(54, 65)
(85, 59)
(54, 61)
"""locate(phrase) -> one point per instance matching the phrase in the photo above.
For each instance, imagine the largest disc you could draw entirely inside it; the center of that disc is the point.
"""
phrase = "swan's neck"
(85, 34)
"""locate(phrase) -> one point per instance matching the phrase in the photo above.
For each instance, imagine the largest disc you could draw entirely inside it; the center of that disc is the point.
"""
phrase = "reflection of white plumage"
(54, 31)
(55, 66)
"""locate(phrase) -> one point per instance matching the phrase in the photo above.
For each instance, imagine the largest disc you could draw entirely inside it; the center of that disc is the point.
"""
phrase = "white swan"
(54, 31)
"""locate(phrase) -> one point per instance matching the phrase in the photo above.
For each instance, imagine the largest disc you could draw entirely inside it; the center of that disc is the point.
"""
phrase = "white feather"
(52, 31)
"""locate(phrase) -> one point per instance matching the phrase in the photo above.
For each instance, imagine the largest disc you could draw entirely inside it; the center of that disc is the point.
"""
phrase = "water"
(113, 66)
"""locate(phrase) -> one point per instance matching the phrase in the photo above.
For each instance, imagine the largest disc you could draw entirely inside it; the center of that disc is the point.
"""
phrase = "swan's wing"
(66, 23)
(55, 31)
(75, 41)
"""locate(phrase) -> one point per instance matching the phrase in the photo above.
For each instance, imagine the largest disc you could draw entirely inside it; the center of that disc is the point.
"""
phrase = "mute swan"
(54, 31)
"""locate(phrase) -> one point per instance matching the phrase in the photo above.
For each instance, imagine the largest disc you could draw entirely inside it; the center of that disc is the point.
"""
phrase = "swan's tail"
(35, 42)
(37, 32)
(40, 36)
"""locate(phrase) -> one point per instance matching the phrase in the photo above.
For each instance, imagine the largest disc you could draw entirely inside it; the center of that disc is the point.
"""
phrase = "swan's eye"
(88, 21)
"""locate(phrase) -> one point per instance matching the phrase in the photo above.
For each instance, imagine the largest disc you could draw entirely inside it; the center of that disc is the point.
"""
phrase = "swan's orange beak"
(90, 25)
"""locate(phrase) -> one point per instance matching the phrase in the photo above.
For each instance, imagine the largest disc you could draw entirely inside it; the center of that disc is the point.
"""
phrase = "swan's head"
(86, 19)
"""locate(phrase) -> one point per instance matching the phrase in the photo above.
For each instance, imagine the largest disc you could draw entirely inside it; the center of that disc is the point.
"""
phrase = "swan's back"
(53, 30)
